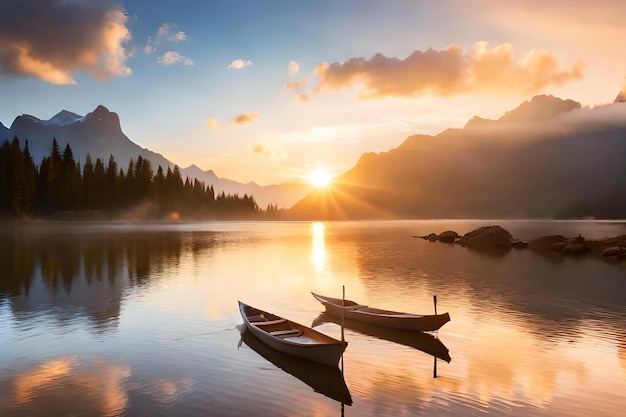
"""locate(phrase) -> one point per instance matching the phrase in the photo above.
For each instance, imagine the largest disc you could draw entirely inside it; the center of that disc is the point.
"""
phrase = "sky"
(270, 91)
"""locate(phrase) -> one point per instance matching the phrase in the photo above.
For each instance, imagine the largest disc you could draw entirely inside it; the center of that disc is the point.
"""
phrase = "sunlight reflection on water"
(318, 250)
(149, 312)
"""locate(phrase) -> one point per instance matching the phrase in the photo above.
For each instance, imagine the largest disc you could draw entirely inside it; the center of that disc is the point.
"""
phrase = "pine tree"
(159, 192)
(17, 184)
(99, 183)
(89, 189)
(70, 181)
(5, 175)
(54, 177)
(30, 176)
(112, 184)
(130, 185)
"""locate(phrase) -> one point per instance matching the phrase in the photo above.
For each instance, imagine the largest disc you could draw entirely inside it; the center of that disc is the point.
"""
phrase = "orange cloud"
(87, 36)
(245, 118)
(481, 69)
(299, 87)
(239, 120)
(295, 85)
(271, 150)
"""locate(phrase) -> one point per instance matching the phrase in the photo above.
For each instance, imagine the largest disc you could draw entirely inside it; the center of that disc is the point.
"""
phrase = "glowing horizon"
(273, 97)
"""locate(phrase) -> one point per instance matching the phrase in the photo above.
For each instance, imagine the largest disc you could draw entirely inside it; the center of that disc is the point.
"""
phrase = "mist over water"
(126, 319)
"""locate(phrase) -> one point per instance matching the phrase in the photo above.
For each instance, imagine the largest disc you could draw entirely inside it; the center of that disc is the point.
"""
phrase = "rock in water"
(487, 238)
(448, 236)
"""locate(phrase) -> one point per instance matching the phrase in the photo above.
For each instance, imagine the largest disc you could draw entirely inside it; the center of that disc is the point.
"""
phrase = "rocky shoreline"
(496, 238)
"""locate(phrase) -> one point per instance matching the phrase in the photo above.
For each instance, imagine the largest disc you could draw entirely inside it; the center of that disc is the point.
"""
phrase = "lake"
(100, 319)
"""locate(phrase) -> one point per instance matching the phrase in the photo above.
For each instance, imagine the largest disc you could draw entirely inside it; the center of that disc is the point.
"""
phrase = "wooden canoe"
(292, 338)
(354, 311)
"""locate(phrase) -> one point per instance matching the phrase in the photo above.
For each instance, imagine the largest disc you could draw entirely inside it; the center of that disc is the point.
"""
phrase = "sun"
(319, 178)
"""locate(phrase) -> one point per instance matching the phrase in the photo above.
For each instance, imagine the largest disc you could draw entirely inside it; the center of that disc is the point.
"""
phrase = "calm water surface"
(142, 320)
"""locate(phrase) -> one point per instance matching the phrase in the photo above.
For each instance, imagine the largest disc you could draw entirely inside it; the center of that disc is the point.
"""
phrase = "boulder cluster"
(496, 238)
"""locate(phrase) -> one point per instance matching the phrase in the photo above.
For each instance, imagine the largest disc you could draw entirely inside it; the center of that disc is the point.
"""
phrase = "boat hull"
(309, 344)
(353, 311)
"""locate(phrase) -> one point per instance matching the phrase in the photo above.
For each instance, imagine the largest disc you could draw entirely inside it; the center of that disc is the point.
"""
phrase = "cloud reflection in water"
(69, 386)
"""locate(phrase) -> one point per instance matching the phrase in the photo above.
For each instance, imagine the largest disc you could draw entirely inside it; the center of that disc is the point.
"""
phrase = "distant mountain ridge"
(99, 133)
(539, 108)
(547, 158)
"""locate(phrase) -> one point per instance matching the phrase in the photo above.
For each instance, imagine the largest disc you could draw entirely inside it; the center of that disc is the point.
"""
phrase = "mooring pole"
(343, 304)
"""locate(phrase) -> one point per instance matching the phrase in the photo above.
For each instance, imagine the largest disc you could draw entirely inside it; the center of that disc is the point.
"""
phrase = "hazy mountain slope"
(99, 133)
(525, 164)
(284, 195)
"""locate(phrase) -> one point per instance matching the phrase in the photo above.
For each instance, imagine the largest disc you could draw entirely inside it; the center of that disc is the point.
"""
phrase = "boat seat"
(258, 317)
(287, 333)
(269, 322)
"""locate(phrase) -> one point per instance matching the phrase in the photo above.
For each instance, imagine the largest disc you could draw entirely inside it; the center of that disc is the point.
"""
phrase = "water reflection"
(164, 391)
(318, 249)
(621, 353)
(553, 300)
(67, 386)
(71, 272)
(424, 342)
(150, 314)
(326, 380)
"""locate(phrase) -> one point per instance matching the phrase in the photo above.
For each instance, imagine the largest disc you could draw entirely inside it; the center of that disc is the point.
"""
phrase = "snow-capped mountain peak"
(63, 118)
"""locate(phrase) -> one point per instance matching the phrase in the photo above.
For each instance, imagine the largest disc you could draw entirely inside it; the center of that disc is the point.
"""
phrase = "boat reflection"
(324, 379)
(424, 342)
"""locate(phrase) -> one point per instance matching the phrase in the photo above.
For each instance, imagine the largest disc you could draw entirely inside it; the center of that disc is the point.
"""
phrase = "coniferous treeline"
(61, 185)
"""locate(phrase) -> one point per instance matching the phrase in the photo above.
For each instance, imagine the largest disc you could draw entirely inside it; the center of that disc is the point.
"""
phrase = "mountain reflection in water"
(129, 319)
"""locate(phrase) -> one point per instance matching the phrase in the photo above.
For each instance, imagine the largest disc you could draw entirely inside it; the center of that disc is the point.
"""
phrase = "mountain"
(284, 195)
(99, 133)
(545, 158)
(4, 132)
